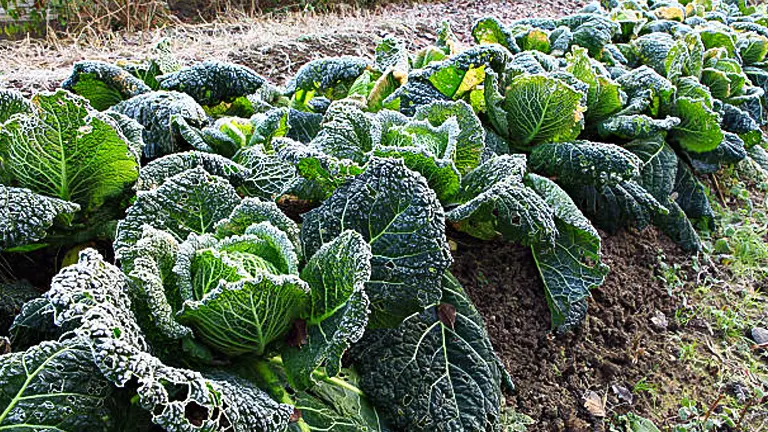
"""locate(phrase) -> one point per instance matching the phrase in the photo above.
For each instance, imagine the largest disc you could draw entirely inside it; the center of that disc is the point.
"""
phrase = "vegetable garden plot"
(223, 313)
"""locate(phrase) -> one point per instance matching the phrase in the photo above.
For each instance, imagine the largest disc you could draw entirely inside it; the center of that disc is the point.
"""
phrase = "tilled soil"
(619, 345)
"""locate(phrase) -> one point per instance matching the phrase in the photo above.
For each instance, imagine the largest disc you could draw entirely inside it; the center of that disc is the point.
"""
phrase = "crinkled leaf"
(338, 307)
(635, 126)
(26, 217)
(510, 208)
(212, 82)
(190, 202)
(155, 111)
(691, 196)
(13, 102)
(157, 172)
(329, 77)
(438, 375)
(65, 150)
(270, 175)
(604, 96)
(102, 84)
(585, 163)
(399, 215)
(537, 109)
(489, 30)
(573, 266)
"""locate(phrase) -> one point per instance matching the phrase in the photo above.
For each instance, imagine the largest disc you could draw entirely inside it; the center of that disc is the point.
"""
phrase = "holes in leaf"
(195, 413)
(176, 392)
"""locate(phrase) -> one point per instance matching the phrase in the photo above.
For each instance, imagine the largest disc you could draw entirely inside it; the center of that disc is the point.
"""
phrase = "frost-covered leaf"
(635, 126)
(439, 374)
(155, 111)
(54, 386)
(270, 176)
(489, 31)
(348, 132)
(252, 211)
(506, 207)
(441, 174)
(12, 102)
(212, 82)
(338, 307)
(93, 295)
(400, 217)
(536, 109)
(329, 77)
(26, 217)
(585, 162)
(573, 266)
(155, 173)
(190, 202)
(652, 50)
(63, 149)
(102, 84)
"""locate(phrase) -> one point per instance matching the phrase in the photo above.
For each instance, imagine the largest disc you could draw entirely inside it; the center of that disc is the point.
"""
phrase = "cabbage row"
(229, 311)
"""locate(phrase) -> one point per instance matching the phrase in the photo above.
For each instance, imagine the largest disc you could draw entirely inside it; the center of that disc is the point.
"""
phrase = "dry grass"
(274, 45)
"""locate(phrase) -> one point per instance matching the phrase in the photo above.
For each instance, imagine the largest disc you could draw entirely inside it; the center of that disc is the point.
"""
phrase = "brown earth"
(617, 345)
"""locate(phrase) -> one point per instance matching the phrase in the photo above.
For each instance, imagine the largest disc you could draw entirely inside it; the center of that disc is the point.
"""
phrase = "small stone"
(594, 404)
(623, 393)
(760, 336)
(659, 321)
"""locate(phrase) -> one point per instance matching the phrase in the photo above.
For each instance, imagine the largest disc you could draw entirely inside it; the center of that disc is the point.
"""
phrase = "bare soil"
(619, 344)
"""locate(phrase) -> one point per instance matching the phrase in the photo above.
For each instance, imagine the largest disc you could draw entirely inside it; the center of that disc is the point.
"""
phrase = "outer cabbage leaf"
(691, 195)
(441, 372)
(509, 208)
(190, 202)
(613, 207)
(659, 167)
(330, 77)
(54, 386)
(102, 84)
(399, 215)
(489, 31)
(645, 83)
(676, 226)
(338, 308)
(536, 109)
(699, 130)
(253, 211)
(155, 111)
(13, 102)
(67, 151)
(441, 174)
(635, 126)
(155, 173)
(652, 50)
(584, 162)
(730, 151)
(26, 217)
(573, 266)
(212, 82)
